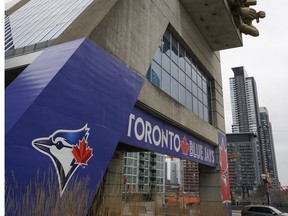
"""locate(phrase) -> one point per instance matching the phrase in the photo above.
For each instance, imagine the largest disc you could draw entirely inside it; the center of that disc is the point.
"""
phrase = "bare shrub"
(42, 197)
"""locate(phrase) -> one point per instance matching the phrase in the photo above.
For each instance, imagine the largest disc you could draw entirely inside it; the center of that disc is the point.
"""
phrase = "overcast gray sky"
(266, 59)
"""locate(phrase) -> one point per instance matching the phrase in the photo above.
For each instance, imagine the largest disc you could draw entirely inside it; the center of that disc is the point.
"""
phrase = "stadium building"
(87, 81)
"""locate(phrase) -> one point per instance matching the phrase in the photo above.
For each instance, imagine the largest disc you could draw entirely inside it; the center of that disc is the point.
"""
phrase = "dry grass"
(135, 206)
(42, 197)
(108, 201)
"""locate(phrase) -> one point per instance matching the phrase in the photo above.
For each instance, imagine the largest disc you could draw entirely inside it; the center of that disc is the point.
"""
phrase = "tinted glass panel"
(166, 62)
(181, 58)
(38, 21)
(177, 74)
(188, 83)
(157, 56)
(204, 85)
(199, 93)
(205, 99)
(174, 53)
(174, 70)
(206, 114)
(199, 80)
(200, 109)
(194, 75)
(174, 89)
(182, 77)
(182, 94)
(155, 76)
(166, 82)
(166, 46)
(194, 89)
(195, 105)
(188, 69)
(189, 100)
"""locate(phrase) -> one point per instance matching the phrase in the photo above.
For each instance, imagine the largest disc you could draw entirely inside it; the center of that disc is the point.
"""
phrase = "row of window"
(34, 23)
(143, 188)
(174, 71)
(132, 179)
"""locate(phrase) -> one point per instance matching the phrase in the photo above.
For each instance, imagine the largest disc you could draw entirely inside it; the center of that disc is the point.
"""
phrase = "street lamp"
(265, 177)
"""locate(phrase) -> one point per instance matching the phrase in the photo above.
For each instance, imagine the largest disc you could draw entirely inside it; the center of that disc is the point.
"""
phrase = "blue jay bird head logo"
(68, 149)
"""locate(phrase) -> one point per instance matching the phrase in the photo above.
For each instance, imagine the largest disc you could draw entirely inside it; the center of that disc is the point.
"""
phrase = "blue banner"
(149, 132)
(67, 110)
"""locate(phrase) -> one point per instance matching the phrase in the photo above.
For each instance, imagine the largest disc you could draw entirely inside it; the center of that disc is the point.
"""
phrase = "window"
(261, 210)
(38, 21)
(174, 71)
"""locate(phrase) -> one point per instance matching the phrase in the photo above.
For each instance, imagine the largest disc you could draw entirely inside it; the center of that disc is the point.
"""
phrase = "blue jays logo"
(224, 171)
(68, 149)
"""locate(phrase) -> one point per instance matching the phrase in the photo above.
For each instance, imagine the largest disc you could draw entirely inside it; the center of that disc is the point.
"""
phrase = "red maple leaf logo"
(82, 152)
(184, 146)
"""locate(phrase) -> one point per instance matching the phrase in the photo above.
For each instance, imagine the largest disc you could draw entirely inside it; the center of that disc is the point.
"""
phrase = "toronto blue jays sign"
(67, 110)
(149, 132)
(71, 107)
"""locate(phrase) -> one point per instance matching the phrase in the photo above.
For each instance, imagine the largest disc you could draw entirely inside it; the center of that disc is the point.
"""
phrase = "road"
(236, 213)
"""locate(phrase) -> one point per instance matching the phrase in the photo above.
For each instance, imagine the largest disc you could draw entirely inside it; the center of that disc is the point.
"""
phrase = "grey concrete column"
(210, 192)
(109, 198)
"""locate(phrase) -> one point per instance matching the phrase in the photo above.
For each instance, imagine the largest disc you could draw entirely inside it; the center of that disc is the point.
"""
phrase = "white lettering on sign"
(153, 134)
(139, 121)
(209, 155)
(196, 150)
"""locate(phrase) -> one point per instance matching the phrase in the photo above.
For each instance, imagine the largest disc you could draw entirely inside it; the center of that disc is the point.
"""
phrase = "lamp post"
(265, 176)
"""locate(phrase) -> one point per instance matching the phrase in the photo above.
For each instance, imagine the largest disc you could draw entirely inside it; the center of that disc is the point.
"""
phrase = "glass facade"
(268, 146)
(243, 160)
(175, 72)
(244, 102)
(40, 20)
(144, 172)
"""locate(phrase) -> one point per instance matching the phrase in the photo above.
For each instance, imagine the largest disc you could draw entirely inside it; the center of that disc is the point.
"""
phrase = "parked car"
(261, 210)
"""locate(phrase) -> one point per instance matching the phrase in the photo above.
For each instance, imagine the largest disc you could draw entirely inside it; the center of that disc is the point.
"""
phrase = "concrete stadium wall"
(130, 30)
